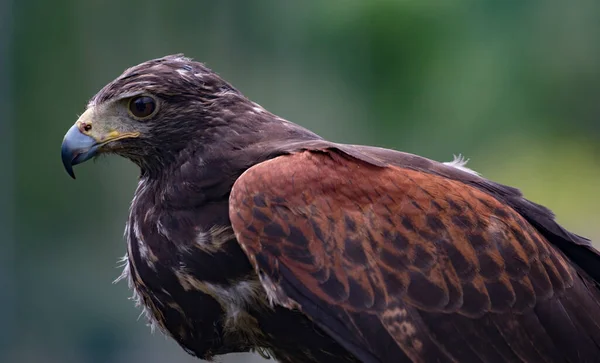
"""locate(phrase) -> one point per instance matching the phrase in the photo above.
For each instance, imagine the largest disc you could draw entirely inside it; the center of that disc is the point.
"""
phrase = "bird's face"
(147, 114)
(112, 126)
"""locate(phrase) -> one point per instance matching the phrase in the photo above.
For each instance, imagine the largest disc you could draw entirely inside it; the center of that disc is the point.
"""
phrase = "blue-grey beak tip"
(67, 159)
(76, 148)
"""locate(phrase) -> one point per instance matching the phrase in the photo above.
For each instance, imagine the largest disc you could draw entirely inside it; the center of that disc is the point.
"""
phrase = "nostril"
(85, 126)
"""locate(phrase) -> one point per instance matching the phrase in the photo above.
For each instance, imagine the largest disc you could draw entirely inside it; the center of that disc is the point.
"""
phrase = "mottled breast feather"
(403, 265)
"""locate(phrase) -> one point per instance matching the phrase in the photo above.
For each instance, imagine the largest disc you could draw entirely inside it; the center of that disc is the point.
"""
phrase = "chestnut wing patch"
(392, 253)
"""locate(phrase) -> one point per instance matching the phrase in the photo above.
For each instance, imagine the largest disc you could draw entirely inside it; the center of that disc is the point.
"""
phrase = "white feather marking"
(275, 295)
(149, 213)
(459, 162)
(136, 296)
(137, 231)
(202, 238)
(227, 93)
(126, 263)
(145, 253)
(126, 231)
(211, 241)
(123, 263)
(161, 229)
(235, 298)
(143, 249)
(141, 189)
(257, 108)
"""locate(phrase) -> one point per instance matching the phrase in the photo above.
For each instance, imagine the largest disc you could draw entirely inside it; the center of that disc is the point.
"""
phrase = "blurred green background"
(514, 85)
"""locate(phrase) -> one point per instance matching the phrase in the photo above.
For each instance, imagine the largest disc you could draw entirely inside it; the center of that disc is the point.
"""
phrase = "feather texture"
(444, 268)
(250, 233)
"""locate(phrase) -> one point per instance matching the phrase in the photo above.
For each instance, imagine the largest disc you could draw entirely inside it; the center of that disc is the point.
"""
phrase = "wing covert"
(342, 239)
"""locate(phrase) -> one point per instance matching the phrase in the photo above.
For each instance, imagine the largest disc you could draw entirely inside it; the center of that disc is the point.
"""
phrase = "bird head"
(151, 112)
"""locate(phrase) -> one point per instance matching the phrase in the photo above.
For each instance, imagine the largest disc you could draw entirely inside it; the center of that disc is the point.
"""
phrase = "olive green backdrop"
(514, 85)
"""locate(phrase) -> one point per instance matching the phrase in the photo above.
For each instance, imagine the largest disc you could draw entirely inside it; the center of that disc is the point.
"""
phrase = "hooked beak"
(92, 131)
(77, 148)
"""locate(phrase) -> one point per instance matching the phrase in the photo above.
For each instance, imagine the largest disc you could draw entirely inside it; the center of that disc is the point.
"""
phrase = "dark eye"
(142, 106)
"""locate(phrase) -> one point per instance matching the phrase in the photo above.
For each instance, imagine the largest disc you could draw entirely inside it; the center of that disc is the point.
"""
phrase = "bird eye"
(142, 106)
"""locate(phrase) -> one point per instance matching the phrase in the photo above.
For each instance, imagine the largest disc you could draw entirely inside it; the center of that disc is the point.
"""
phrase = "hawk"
(250, 233)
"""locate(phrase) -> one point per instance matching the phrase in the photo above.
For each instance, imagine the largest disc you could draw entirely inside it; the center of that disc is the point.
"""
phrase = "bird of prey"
(250, 233)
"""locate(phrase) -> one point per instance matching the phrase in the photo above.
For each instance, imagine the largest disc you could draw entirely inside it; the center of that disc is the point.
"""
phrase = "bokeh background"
(514, 85)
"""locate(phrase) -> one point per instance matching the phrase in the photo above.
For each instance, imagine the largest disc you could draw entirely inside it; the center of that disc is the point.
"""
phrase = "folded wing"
(404, 265)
